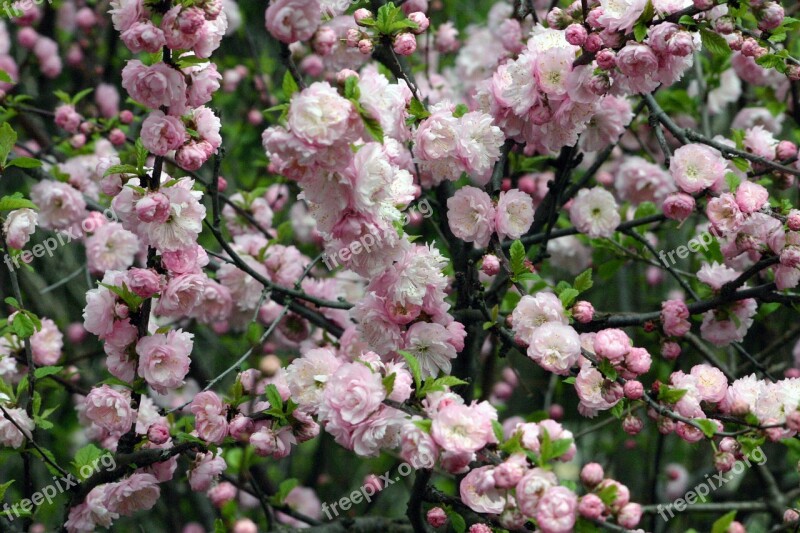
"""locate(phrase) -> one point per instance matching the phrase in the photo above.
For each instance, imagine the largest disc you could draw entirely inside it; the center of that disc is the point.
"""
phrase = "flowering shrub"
(207, 157)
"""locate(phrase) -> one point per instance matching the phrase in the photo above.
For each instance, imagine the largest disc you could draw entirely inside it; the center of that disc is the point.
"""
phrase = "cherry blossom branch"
(29, 438)
(687, 135)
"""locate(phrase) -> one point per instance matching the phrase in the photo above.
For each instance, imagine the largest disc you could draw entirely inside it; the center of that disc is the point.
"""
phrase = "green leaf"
(460, 111)
(732, 180)
(24, 162)
(4, 77)
(64, 97)
(22, 326)
(81, 95)
(497, 428)
(618, 409)
(284, 489)
(424, 424)
(570, 380)
(7, 139)
(413, 366)
(607, 369)
(686, 20)
(4, 488)
(714, 43)
(669, 395)
(121, 169)
(584, 281)
(373, 127)
(568, 297)
(15, 201)
(219, 526)
(559, 447)
(722, 524)
(457, 521)
(709, 428)
(417, 109)
(274, 397)
(45, 371)
(141, 155)
(86, 456)
(639, 31)
(351, 90)
(608, 494)
(10, 300)
(289, 85)
(388, 383)
(518, 256)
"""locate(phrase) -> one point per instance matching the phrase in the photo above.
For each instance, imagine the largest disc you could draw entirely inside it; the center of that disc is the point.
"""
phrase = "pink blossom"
(10, 435)
(464, 428)
(751, 196)
(417, 447)
(67, 118)
(210, 421)
(109, 409)
(675, 318)
(555, 347)
(18, 226)
(60, 206)
(489, 500)
(111, 247)
(155, 86)
(716, 275)
(46, 343)
(162, 133)
(724, 213)
(720, 328)
(514, 214)
(164, 359)
(143, 37)
(430, 343)
(436, 517)
(531, 488)
(696, 167)
(124, 13)
(711, 383)
(352, 394)
(760, 141)
(471, 215)
(204, 470)
(594, 212)
(612, 344)
(293, 20)
(678, 206)
(137, 492)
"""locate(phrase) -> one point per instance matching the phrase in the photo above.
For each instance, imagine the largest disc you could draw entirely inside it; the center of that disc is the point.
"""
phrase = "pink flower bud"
(352, 37)
(324, 41)
(365, 46)
(723, 461)
(143, 282)
(490, 265)
(606, 59)
(576, 34)
(790, 515)
(27, 37)
(670, 350)
(436, 517)
(793, 72)
(724, 25)
(153, 208)
(770, 16)
(245, 525)
(633, 389)
(583, 311)
(373, 481)
(222, 185)
(126, 117)
(592, 474)
(632, 425)
(793, 420)
(420, 20)
(508, 474)
(158, 433)
(593, 43)
(786, 150)
(556, 412)
(678, 206)
(76, 333)
(241, 427)
(78, 140)
(591, 506)
(361, 14)
(703, 5)
(312, 65)
(222, 493)
(405, 44)
(116, 137)
(342, 75)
